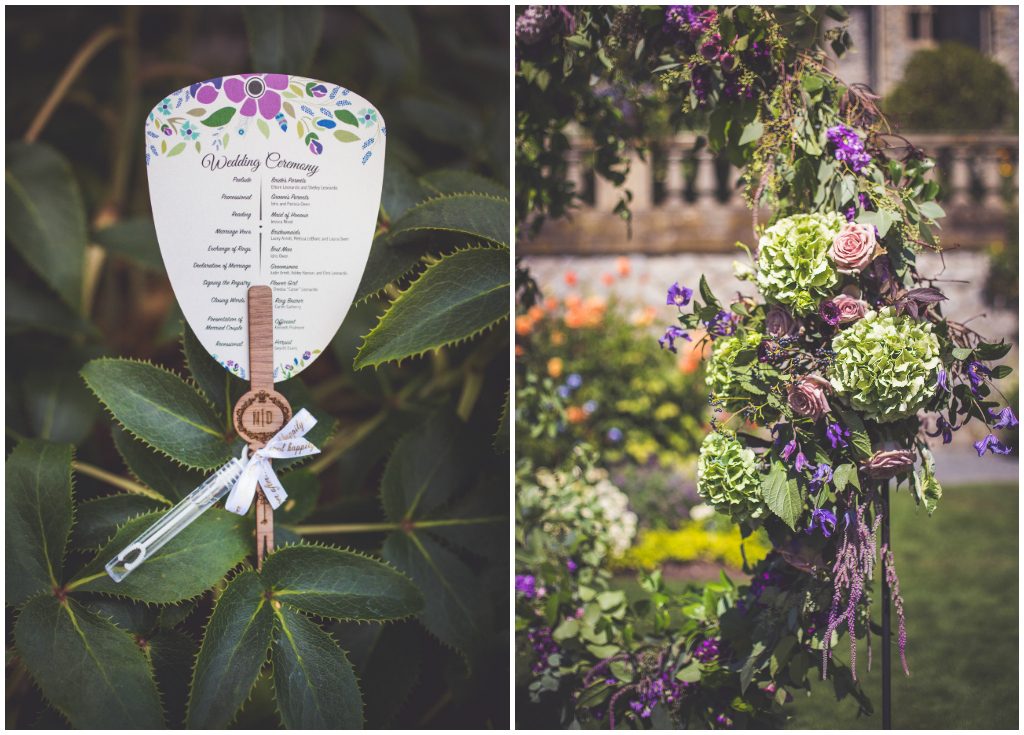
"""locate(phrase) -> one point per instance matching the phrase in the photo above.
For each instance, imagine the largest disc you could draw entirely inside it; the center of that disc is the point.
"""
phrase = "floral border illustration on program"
(207, 114)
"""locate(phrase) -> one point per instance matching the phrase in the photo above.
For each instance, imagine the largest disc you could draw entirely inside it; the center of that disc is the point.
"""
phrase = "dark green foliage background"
(427, 403)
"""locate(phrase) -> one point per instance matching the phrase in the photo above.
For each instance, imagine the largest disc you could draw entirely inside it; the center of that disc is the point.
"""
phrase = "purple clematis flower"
(802, 463)
(977, 373)
(787, 451)
(823, 519)
(822, 476)
(990, 442)
(944, 428)
(722, 325)
(678, 295)
(837, 435)
(829, 313)
(1006, 418)
(671, 335)
(571, 565)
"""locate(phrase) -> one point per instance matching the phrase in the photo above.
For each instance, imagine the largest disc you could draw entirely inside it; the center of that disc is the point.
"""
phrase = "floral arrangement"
(826, 384)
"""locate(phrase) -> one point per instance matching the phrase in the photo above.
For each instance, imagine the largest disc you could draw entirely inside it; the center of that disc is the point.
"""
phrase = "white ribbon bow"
(286, 443)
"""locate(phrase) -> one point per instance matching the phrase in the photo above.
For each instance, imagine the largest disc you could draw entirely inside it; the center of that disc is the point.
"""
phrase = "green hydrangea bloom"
(727, 477)
(793, 264)
(724, 377)
(885, 365)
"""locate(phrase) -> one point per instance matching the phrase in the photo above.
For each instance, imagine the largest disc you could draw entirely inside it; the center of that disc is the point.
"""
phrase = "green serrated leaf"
(454, 612)
(88, 669)
(339, 584)
(387, 262)
(219, 386)
(234, 647)
(447, 181)
(190, 564)
(38, 517)
(303, 492)
(782, 494)
(220, 118)
(58, 406)
(475, 215)
(134, 239)
(29, 308)
(454, 299)
(501, 436)
(165, 478)
(172, 654)
(159, 408)
(134, 617)
(401, 189)
(426, 469)
(314, 682)
(845, 474)
(45, 217)
(97, 520)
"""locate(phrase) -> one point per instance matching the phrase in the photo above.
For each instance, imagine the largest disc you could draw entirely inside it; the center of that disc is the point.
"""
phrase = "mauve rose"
(780, 323)
(854, 248)
(807, 397)
(890, 463)
(850, 309)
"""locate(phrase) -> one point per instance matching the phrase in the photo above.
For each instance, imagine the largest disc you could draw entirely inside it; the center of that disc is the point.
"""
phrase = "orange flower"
(646, 317)
(623, 265)
(550, 303)
(572, 301)
(520, 351)
(557, 338)
(536, 313)
(607, 279)
(524, 325)
(555, 367)
(570, 278)
(575, 414)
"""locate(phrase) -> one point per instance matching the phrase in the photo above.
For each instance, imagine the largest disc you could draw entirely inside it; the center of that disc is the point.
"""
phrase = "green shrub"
(953, 87)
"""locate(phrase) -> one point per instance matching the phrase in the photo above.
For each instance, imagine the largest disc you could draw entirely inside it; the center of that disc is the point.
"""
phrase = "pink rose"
(807, 397)
(780, 323)
(889, 463)
(850, 308)
(854, 248)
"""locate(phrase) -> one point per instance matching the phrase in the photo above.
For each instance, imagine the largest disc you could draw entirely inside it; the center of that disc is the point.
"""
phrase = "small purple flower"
(590, 406)
(564, 391)
(614, 434)
(802, 463)
(706, 651)
(788, 450)
(574, 381)
(942, 379)
(318, 91)
(316, 147)
(306, 355)
(829, 312)
(943, 427)
(848, 147)
(678, 295)
(722, 325)
(977, 373)
(1006, 419)
(990, 442)
(823, 519)
(822, 476)
(671, 335)
(526, 585)
(571, 566)
(837, 435)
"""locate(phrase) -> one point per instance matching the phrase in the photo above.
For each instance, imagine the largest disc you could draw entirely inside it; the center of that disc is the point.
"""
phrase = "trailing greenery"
(383, 602)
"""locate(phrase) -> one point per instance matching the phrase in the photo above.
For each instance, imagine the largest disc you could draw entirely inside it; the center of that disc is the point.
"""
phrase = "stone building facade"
(886, 36)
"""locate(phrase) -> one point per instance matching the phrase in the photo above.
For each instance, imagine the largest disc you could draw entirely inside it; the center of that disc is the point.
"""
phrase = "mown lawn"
(958, 574)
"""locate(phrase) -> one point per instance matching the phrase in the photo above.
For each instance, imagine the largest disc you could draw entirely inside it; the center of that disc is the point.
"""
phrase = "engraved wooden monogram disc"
(261, 414)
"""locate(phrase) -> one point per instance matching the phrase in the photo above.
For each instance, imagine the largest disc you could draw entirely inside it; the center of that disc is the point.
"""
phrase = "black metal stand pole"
(886, 623)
